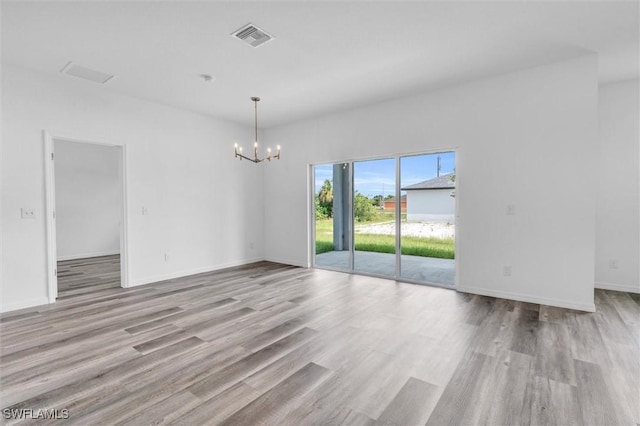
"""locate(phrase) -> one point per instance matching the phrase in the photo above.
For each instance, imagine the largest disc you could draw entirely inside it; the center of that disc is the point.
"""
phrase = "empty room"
(320, 213)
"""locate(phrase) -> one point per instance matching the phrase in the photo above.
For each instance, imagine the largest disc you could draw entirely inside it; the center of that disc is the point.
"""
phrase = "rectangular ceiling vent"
(252, 35)
(86, 73)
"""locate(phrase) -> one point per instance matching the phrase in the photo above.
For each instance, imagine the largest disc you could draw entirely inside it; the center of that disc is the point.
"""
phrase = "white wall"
(204, 208)
(431, 205)
(618, 189)
(88, 199)
(516, 135)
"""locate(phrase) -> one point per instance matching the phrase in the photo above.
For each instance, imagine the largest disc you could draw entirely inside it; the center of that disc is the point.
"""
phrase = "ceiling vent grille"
(86, 73)
(252, 35)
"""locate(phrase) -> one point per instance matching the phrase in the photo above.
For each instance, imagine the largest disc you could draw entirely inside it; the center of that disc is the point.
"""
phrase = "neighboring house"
(390, 204)
(431, 200)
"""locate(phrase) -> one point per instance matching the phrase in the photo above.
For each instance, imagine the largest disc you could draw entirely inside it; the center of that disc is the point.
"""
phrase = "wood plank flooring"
(280, 345)
(80, 277)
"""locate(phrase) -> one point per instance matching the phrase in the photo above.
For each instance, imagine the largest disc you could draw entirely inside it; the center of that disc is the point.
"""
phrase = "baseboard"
(24, 304)
(529, 299)
(618, 287)
(286, 261)
(87, 255)
(188, 272)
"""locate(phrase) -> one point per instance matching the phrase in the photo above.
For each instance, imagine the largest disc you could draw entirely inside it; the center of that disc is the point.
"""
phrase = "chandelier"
(255, 158)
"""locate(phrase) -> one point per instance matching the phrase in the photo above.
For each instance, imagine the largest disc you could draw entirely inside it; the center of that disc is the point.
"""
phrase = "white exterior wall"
(431, 205)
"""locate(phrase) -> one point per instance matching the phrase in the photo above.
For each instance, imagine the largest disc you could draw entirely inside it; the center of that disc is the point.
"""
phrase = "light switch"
(28, 213)
(511, 209)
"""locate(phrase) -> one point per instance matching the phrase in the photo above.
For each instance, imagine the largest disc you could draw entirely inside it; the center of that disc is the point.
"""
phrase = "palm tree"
(326, 192)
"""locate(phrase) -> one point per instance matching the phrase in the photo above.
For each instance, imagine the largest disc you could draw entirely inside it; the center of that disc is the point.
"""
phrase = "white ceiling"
(327, 56)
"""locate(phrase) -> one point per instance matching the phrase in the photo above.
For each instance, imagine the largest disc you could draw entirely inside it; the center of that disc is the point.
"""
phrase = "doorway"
(86, 225)
(391, 217)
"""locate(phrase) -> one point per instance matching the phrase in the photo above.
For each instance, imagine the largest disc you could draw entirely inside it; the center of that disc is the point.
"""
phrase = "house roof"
(440, 182)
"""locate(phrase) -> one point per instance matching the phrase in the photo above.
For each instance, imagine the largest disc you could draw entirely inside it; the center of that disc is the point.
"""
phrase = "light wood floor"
(79, 277)
(280, 345)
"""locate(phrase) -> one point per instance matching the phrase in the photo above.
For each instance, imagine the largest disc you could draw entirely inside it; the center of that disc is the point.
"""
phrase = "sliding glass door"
(390, 217)
(427, 231)
(374, 225)
(332, 201)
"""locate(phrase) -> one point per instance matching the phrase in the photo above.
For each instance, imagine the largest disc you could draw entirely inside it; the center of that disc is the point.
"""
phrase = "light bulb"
(235, 145)
(255, 144)
(278, 147)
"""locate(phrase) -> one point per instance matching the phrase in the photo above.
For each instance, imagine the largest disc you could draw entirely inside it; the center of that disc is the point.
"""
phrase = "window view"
(427, 236)
(333, 216)
(374, 226)
(356, 224)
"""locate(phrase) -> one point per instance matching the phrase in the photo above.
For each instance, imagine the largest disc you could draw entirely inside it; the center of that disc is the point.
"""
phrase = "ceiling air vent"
(252, 35)
(86, 73)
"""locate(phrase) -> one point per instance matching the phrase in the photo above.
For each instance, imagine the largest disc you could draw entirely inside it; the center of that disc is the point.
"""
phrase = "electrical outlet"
(28, 213)
(511, 209)
(506, 271)
(251, 245)
(145, 211)
(166, 257)
(613, 264)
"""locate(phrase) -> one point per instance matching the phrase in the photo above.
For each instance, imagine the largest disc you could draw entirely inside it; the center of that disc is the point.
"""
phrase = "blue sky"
(378, 176)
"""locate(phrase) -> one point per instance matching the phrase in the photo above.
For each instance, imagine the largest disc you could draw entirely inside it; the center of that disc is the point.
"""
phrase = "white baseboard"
(286, 261)
(194, 271)
(529, 299)
(86, 255)
(24, 304)
(618, 287)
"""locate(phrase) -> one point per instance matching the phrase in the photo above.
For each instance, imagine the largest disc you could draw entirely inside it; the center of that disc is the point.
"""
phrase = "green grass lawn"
(324, 235)
(414, 246)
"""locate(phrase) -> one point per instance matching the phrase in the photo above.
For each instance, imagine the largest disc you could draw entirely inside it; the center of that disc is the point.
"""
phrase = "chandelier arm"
(253, 160)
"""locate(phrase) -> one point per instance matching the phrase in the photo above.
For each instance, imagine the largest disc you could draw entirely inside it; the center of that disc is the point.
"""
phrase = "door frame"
(50, 204)
(311, 252)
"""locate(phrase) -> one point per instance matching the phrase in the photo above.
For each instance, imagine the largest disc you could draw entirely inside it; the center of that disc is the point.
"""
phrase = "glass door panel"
(427, 231)
(374, 217)
(332, 216)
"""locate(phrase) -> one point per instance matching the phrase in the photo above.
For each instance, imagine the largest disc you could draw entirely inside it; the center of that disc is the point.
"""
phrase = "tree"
(324, 201)
(363, 208)
(326, 192)
(378, 200)
(321, 211)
